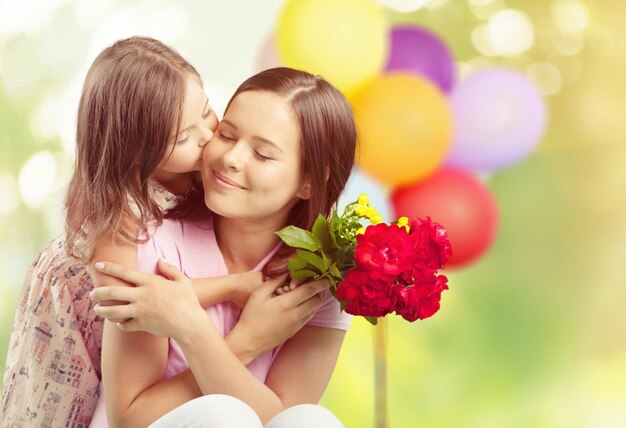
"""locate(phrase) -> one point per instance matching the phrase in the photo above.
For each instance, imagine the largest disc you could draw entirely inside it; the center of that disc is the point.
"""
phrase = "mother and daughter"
(253, 348)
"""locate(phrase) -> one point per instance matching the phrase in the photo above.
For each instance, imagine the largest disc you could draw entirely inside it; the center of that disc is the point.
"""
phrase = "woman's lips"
(222, 181)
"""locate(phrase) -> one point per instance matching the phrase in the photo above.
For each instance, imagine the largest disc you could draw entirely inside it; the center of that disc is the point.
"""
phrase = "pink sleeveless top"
(194, 250)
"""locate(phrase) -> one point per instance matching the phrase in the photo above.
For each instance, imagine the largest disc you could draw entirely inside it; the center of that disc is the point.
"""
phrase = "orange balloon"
(404, 127)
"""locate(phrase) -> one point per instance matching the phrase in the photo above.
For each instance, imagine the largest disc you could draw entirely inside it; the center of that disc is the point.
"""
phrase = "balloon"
(404, 128)
(459, 202)
(360, 182)
(499, 118)
(421, 51)
(345, 41)
(267, 56)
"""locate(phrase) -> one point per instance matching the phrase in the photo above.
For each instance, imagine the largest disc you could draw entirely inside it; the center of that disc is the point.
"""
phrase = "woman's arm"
(131, 362)
(301, 371)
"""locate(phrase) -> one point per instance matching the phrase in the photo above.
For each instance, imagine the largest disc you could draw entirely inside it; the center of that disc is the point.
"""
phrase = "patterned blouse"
(52, 375)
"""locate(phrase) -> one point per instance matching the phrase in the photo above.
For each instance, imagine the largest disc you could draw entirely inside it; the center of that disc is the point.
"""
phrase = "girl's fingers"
(121, 293)
(271, 285)
(116, 313)
(122, 272)
(170, 271)
(306, 291)
(129, 325)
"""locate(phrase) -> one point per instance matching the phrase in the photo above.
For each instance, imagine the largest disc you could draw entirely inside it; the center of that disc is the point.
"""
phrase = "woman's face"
(251, 167)
(198, 123)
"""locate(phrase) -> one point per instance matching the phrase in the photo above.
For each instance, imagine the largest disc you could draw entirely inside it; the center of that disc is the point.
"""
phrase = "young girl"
(143, 121)
(281, 155)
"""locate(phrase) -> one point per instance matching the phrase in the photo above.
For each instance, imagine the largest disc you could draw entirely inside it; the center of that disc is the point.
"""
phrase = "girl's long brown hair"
(327, 147)
(129, 111)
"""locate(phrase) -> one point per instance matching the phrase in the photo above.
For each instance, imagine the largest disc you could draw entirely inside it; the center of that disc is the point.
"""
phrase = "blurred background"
(533, 329)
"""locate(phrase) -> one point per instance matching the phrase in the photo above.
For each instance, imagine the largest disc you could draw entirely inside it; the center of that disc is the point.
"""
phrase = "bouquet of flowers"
(374, 270)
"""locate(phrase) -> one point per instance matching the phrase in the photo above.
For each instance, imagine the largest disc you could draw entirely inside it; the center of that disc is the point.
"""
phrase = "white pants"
(224, 411)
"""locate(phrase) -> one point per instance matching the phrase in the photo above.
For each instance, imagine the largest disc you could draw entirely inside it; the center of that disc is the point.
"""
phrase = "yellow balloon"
(344, 41)
(404, 128)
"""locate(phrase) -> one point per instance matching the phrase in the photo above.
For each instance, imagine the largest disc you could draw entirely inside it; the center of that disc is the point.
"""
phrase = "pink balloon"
(499, 118)
(459, 202)
(267, 56)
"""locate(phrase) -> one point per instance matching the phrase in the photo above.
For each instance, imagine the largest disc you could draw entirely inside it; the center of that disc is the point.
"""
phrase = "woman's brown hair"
(327, 147)
(129, 111)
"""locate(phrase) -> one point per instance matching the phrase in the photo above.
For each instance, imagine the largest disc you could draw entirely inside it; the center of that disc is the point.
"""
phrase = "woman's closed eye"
(226, 137)
(263, 156)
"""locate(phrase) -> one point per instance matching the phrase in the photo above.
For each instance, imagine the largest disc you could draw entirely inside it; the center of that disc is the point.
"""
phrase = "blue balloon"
(360, 182)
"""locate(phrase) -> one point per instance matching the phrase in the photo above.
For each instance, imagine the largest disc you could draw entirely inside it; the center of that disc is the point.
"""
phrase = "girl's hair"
(129, 111)
(327, 147)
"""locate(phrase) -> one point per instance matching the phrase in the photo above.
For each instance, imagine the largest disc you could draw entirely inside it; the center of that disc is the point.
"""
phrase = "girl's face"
(198, 123)
(251, 167)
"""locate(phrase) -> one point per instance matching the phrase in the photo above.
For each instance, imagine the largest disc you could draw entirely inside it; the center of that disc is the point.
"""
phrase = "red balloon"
(459, 202)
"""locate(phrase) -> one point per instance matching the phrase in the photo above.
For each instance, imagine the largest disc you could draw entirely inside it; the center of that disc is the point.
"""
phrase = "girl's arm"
(215, 366)
(235, 288)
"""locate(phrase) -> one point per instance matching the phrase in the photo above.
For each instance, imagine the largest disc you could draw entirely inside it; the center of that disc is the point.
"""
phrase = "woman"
(281, 156)
(143, 120)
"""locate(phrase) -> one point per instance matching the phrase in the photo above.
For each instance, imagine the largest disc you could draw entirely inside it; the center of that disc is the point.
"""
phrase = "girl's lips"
(222, 181)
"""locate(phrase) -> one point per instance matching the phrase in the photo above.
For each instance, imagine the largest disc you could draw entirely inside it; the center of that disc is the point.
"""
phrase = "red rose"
(422, 299)
(384, 251)
(431, 244)
(365, 295)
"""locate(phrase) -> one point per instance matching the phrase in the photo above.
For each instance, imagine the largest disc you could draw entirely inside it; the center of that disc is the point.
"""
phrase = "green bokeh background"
(532, 335)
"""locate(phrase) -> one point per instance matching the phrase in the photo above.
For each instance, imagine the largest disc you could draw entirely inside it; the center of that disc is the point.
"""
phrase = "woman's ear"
(305, 190)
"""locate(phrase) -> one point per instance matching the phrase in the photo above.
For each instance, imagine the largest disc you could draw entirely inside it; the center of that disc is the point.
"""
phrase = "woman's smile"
(224, 182)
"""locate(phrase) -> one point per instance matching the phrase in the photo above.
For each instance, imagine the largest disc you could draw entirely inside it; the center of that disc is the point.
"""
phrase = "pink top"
(194, 250)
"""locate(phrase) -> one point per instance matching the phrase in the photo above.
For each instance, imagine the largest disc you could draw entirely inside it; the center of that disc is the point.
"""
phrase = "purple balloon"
(499, 118)
(420, 51)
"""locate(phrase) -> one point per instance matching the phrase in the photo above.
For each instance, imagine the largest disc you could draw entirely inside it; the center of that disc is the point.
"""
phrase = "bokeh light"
(36, 179)
(510, 32)
(10, 197)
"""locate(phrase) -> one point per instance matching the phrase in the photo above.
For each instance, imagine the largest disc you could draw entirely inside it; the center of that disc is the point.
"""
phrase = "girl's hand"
(283, 289)
(243, 286)
(268, 319)
(161, 306)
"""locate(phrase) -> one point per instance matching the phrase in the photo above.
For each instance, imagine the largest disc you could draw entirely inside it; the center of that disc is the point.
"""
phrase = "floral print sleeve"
(52, 374)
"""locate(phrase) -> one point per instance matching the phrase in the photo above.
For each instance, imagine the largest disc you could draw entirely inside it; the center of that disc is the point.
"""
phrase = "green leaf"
(299, 238)
(296, 263)
(325, 261)
(334, 225)
(334, 271)
(304, 274)
(322, 233)
(371, 320)
(312, 259)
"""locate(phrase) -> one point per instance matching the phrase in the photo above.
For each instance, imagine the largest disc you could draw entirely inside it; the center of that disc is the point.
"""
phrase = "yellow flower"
(363, 199)
(360, 210)
(403, 221)
(360, 231)
(376, 218)
(370, 212)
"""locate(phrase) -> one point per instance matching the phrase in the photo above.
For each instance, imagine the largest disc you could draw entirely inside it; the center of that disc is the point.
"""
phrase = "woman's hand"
(163, 306)
(268, 319)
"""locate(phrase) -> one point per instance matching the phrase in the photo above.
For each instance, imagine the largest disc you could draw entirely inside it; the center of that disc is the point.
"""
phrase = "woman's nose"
(234, 158)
